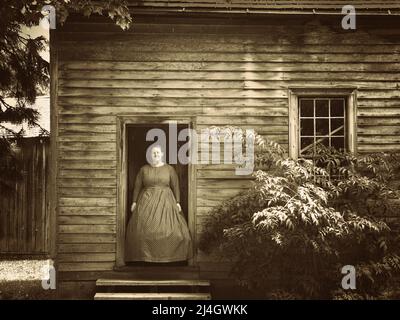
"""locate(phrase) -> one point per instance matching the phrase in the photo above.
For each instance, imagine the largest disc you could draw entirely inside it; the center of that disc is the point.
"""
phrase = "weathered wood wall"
(223, 71)
(270, 5)
(24, 214)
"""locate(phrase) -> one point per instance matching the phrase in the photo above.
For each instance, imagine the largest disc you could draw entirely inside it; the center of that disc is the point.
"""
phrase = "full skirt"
(157, 231)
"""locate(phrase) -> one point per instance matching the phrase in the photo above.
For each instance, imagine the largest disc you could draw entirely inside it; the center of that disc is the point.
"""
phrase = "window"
(321, 116)
(322, 120)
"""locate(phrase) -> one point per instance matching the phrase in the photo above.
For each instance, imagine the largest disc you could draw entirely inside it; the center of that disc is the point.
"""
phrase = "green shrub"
(291, 232)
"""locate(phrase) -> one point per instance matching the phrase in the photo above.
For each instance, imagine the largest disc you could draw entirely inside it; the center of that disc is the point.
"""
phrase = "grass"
(21, 279)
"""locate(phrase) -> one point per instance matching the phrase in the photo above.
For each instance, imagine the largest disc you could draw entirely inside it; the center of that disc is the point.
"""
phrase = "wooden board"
(25, 213)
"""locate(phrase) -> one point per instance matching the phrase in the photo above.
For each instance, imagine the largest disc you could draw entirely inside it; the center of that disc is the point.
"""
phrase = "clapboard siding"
(110, 53)
(222, 72)
(273, 5)
(87, 210)
(87, 238)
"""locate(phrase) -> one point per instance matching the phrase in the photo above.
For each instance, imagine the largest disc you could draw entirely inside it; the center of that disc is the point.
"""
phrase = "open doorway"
(136, 157)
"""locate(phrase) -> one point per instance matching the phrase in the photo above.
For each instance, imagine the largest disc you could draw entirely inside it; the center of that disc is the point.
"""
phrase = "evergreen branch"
(5, 104)
(9, 130)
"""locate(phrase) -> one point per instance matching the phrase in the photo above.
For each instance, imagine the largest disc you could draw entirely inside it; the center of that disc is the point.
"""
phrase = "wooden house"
(274, 66)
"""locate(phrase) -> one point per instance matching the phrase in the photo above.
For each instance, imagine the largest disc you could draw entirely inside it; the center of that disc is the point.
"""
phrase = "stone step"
(152, 296)
(156, 272)
(152, 283)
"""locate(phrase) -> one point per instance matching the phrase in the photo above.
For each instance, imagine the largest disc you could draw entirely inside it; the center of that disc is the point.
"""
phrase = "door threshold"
(157, 272)
(155, 267)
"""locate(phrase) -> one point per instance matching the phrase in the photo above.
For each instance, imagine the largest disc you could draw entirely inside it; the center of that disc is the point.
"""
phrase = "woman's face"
(156, 155)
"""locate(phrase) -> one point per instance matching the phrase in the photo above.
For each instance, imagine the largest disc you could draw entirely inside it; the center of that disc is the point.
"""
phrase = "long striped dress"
(157, 231)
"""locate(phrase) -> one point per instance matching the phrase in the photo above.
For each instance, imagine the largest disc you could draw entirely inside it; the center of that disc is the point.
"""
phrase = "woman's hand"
(179, 207)
(133, 206)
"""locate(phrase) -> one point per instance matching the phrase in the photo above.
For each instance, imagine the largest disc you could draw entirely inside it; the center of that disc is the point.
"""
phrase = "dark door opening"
(137, 146)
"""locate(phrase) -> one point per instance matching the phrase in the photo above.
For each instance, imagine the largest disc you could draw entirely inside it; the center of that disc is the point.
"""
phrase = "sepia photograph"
(201, 150)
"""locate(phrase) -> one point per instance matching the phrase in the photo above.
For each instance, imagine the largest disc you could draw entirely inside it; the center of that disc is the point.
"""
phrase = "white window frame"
(351, 114)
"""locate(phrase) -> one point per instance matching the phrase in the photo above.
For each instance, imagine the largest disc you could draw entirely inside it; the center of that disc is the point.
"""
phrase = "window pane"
(323, 141)
(322, 127)
(322, 108)
(307, 127)
(338, 126)
(307, 146)
(306, 108)
(337, 108)
(337, 143)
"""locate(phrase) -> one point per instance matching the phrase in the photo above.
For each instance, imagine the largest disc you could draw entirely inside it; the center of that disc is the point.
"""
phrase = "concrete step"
(151, 283)
(152, 296)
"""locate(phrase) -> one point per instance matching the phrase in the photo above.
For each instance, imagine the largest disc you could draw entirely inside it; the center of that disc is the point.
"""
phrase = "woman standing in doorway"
(157, 230)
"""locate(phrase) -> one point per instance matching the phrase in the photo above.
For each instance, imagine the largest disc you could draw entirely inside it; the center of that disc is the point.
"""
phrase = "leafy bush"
(301, 221)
